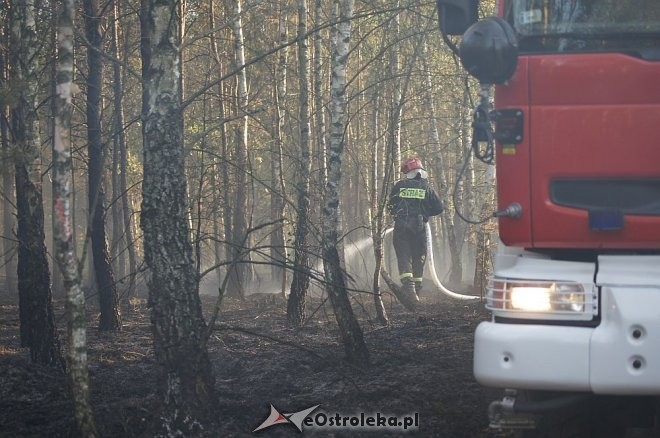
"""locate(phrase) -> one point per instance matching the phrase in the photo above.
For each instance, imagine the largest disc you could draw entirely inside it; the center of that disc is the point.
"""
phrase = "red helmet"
(411, 163)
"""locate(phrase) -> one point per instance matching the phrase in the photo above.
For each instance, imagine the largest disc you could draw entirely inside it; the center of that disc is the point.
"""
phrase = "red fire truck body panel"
(513, 163)
(591, 145)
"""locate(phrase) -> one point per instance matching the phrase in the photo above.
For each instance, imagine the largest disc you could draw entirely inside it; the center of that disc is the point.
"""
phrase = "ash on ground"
(421, 363)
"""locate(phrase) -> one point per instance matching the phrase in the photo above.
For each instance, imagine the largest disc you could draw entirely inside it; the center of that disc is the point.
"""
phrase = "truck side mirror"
(456, 16)
(489, 51)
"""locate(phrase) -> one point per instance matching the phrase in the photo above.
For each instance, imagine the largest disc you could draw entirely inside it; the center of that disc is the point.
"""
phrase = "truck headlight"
(531, 299)
(541, 299)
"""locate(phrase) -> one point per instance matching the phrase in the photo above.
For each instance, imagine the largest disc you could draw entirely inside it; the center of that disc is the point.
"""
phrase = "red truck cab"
(588, 85)
(575, 293)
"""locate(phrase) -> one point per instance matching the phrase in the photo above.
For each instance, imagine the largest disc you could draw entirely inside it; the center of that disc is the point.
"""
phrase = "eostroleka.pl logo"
(325, 421)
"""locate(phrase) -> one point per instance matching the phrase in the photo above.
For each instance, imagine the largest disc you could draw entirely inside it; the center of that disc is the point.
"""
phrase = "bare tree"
(351, 333)
(64, 230)
(397, 95)
(300, 283)
(222, 211)
(119, 139)
(186, 380)
(440, 167)
(34, 290)
(8, 239)
(215, 167)
(378, 197)
(107, 289)
(239, 274)
(277, 204)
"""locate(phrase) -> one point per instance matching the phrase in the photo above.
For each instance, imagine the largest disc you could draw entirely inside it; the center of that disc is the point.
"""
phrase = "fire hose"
(434, 276)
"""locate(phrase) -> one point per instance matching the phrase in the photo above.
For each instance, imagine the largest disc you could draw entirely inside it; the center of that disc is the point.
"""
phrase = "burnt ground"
(421, 363)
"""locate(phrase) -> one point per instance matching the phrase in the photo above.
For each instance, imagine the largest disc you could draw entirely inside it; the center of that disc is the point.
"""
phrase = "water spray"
(361, 245)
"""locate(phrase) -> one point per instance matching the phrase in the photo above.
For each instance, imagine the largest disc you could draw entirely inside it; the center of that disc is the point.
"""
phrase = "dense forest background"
(226, 148)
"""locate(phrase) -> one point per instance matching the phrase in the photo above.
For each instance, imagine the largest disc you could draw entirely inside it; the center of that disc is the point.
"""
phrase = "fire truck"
(574, 128)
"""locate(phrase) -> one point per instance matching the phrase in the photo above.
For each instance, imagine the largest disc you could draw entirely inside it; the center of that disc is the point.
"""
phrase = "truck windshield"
(585, 25)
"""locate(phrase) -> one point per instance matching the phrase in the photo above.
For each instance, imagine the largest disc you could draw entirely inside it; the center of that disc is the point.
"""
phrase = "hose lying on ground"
(434, 276)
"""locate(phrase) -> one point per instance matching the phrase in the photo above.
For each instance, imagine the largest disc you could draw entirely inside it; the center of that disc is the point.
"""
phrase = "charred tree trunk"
(186, 380)
(351, 333)
(107, 290)
(35, 295)
(37, 326)
(300, 284)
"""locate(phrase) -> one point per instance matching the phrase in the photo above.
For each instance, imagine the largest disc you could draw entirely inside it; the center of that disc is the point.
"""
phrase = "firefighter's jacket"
(411, 198)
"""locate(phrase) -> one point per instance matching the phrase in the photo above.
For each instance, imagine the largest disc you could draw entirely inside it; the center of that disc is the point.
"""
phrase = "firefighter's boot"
(409, 289)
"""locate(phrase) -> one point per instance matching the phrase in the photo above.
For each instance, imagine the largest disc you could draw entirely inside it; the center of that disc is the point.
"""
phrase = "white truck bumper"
(619, 356)
(532, 356)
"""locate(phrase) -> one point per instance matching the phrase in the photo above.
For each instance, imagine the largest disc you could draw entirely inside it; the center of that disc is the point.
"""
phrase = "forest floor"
(421, 364)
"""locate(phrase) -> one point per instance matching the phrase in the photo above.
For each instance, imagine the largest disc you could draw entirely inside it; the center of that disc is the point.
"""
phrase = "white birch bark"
(318, 92)
(186, 379)
(63, 231)
(351, 332)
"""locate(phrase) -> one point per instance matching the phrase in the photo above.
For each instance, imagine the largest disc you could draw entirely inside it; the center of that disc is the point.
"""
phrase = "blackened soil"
(421, 364)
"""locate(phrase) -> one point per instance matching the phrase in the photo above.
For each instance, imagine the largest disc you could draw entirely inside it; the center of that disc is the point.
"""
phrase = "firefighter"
(412, 201)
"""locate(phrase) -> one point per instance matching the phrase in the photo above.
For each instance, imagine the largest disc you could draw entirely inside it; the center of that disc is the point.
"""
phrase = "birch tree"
(351, 333)
(34, 289)
(319, 107)
(63, 231)
(185, 380)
